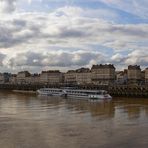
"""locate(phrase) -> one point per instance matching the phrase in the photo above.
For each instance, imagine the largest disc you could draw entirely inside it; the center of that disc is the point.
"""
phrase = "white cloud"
(69, 30)
(138, 57)
(117, 57)
(135, 57)
(136, 7)
(7, 6)
(29, 28)
(54, 59)
(29, 1)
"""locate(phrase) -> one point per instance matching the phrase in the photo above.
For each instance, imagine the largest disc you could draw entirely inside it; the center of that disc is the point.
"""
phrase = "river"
(31, 121)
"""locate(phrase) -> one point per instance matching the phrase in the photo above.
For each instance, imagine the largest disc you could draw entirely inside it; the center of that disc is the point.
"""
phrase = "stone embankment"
(114, 90)
(129, 91)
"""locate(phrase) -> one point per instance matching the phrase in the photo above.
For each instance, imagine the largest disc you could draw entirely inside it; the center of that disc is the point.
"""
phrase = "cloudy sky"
(39, 35)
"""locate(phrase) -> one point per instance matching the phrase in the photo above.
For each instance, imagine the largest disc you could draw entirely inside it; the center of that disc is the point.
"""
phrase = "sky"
(38, 35)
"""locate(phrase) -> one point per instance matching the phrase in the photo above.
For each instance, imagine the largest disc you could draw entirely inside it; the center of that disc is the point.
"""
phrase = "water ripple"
(57, 123)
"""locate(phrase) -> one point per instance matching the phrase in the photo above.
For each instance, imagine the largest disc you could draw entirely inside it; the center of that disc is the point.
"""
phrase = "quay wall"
(114, 90)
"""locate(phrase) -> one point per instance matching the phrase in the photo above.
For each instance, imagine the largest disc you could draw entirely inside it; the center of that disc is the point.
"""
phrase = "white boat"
(50, 91)
(78, 93)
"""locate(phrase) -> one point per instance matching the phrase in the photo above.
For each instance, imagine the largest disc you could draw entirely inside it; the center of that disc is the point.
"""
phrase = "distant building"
(22, 77)
(146, 75)
(4, 77)
(143, 77)
(83, 76)
(51, 77)
(121, 77)
(134, 74)
(103, 74)
(13, 79)
(33, 79)
(97, 75)
(70, 77)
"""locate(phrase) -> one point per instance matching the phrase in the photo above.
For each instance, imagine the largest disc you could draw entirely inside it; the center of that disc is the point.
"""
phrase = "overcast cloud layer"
(39, 35)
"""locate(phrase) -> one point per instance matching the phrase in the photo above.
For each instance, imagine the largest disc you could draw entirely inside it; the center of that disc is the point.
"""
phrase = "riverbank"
(114, 90)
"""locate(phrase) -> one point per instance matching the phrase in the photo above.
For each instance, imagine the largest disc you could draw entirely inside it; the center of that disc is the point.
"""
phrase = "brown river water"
(31, 121)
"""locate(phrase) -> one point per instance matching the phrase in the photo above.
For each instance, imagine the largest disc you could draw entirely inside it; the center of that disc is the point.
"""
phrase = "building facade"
(70, 77)
(143, 77)
(4, 77)
(22, 77)
(13, 79)
(51, 77)
(121, 77)
(103, 74)
(33, 79)
(83, 76)
(146, 76)
(134, 74)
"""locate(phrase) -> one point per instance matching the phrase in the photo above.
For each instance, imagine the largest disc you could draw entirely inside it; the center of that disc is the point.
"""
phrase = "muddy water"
(31, 121)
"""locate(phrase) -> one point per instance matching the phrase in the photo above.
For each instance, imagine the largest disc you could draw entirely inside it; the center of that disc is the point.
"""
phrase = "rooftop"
(81, 70)
(103, 66)
(134, 67)
(51, 71)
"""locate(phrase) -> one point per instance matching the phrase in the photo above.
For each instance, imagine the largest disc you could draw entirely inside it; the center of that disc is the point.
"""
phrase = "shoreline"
(113, 90)
(25, 91)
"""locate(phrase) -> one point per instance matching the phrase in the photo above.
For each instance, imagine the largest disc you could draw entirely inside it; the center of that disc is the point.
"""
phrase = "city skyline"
(38, 35)
(77, 70)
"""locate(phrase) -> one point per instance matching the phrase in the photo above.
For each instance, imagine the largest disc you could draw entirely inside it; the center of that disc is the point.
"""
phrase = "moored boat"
(50, 91)
(76, 93)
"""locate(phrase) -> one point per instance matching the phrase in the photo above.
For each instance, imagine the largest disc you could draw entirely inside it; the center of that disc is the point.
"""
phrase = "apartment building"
(33, 79)
(103, 74)
(22, 77)
(146, 75)
(13, 79)
(83, 76)
(134, 74)
(51, 77)
(70, 77)
(121, 77)
(4, 77)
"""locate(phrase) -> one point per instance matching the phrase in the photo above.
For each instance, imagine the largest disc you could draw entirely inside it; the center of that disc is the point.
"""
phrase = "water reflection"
(40, 121)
